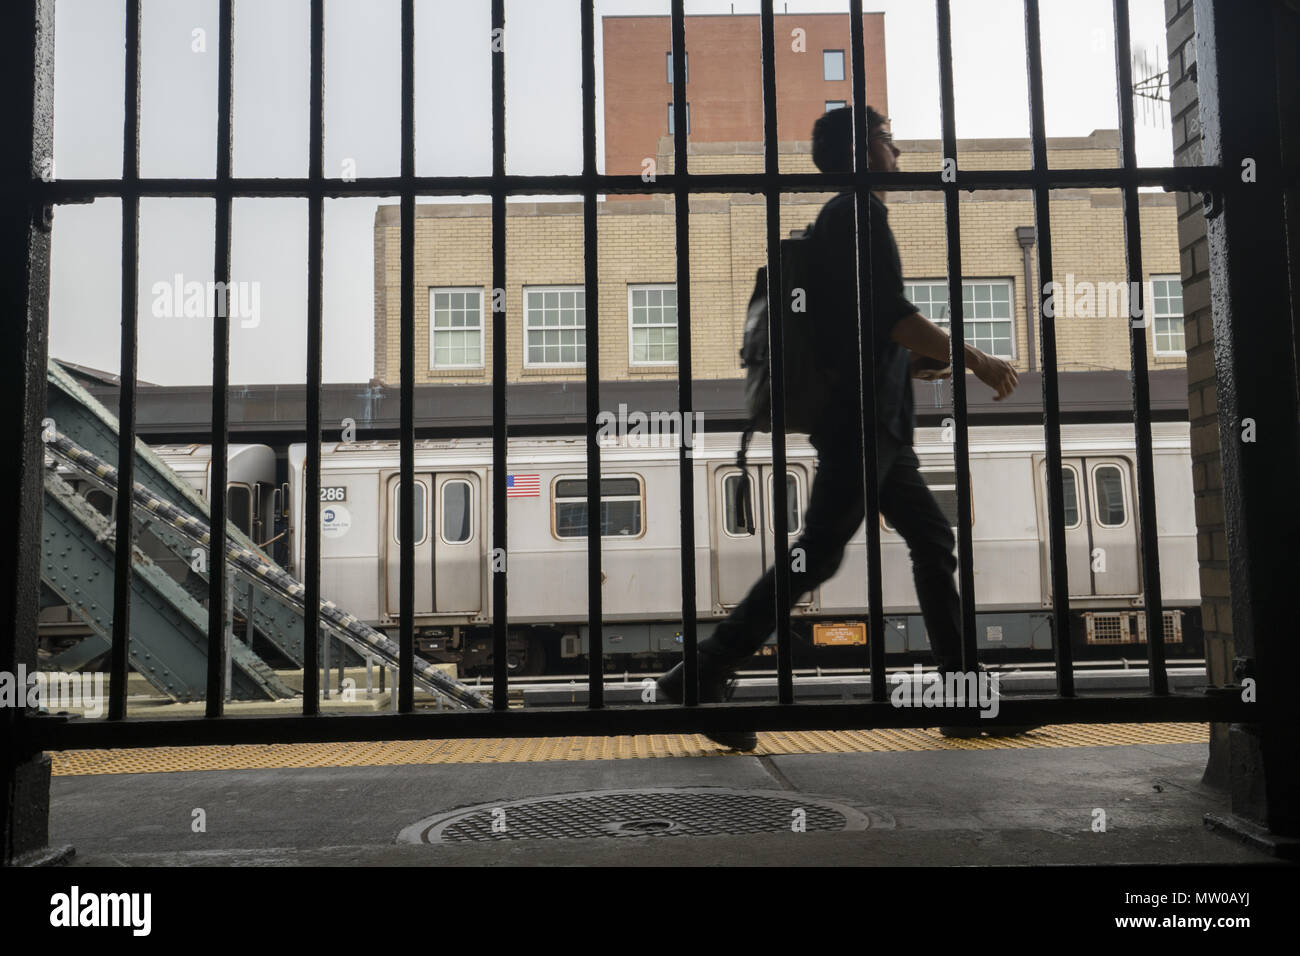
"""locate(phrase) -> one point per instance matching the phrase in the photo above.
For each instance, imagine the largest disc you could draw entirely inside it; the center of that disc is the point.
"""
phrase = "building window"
(456, 320)
(833, 64)
(986, 305)
(652, 317)
(669, 58)
(1167, 307)
(835, 105)
(555, 330)
(621, 498)
(672, 122)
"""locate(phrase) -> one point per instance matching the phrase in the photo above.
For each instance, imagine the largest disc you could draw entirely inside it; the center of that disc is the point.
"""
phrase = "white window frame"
(835, 105)
(668, 61)
(631, 328)
(529, 289)
(946, 322)
(753, 504)
(843, 63)
(1157, 318)
(433, 330)
(798, 499)
(640, 497)
(688, 119)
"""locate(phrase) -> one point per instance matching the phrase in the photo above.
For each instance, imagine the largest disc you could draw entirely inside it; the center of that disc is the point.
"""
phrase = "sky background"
(453, 137)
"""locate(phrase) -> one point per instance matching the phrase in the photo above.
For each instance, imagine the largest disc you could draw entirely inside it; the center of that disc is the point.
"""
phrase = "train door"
(423, 544)
(738, 554)
(457, 544)
(796, 499)
(1100, 528)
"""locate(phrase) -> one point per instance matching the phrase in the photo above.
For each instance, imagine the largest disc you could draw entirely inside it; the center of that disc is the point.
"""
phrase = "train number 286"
(338, 493)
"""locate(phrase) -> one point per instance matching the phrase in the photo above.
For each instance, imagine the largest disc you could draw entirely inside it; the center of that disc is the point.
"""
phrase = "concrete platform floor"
(973, 807)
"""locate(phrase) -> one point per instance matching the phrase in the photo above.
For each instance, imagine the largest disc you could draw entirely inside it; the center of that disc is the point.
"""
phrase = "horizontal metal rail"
(60, 733)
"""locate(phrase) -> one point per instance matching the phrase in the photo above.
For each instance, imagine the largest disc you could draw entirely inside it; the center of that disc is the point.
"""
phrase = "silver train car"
(640, 517)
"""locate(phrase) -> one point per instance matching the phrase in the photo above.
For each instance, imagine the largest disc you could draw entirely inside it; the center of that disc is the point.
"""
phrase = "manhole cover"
(699, 811)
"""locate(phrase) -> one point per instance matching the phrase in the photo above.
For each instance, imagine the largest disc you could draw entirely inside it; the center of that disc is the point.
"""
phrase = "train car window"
(942, 483)
(620, 507)
(1069, 482)
(794, 508)
(1108, 482)
(239, 507)
(732, 515)
(397, 512)
(456, 512)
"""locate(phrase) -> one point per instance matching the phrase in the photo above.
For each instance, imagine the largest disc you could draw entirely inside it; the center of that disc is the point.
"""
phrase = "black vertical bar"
(220, 368)
(126, 398)
(1051, 383)
(406, 584)
(500, 620)
(590, 237)
(685, 400)
(311, 477)
(957, 338)
(27, 112)
(867, 355)
(1138, 350)
(776, 338)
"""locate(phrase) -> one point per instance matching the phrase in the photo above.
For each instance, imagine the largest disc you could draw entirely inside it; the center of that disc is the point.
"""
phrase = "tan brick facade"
(544, 247)
(1202, 404)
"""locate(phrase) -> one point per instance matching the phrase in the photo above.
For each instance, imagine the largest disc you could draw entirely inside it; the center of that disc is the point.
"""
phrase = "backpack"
(808, 373)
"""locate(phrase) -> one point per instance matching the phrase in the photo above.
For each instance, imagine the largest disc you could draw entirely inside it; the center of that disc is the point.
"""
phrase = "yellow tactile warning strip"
(523, 749)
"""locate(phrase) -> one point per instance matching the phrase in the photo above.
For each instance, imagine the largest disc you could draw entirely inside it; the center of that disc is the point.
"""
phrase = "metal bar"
(867, 356)
(1051, 378)
(406, 583)
(1174, 179)
(59, 733)
(500, 373)
(590, 240)
(117, 667)
(685, 399)
(1138, 350)
(310, 572)
(220, 362)
(957, 340)
(776, 301)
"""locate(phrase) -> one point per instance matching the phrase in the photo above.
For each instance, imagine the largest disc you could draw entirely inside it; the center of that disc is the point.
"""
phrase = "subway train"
(640, 552)
(640, 525)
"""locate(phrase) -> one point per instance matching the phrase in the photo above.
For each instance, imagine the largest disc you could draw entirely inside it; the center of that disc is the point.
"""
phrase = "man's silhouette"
(903, 340)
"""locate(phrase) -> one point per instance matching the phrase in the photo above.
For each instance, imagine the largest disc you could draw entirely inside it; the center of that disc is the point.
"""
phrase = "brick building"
(544, 262)
(544, 298)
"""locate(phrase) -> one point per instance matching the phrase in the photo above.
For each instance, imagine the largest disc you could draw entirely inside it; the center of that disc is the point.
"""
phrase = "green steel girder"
(81, 417)
(168, 627)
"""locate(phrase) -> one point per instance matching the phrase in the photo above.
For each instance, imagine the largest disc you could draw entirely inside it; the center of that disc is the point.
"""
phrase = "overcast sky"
(453, 137)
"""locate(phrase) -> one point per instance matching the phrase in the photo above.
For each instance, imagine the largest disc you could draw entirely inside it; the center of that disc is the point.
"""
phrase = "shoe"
(967, 733)
(717, 684)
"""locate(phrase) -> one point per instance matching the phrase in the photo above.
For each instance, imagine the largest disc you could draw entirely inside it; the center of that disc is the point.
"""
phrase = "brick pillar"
(1202, 408)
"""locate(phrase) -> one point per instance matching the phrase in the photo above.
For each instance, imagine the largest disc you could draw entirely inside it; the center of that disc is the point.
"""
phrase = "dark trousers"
(835, 512)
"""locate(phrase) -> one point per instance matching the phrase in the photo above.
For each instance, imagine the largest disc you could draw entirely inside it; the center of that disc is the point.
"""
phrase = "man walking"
(836, 508)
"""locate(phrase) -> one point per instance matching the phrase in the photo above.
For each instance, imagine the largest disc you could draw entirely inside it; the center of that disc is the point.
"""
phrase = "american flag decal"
(523, 486)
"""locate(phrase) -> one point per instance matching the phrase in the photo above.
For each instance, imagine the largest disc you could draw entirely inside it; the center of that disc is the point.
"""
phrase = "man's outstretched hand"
(996, 373)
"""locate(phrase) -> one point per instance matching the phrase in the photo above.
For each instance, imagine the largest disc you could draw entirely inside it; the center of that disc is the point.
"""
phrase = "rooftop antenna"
(1151, 84)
